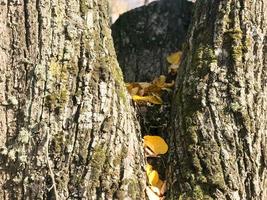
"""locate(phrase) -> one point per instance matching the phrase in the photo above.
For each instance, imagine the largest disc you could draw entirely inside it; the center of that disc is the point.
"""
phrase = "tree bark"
(67, 128)
(218, 143)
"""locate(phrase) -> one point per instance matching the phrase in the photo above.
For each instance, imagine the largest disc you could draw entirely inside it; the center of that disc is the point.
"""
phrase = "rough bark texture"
(67, 129)
(218, 146)
(145, 36)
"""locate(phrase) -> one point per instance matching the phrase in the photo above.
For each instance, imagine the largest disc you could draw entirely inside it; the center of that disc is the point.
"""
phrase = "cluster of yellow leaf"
(143, 92)
(157, 186)
(154, 146)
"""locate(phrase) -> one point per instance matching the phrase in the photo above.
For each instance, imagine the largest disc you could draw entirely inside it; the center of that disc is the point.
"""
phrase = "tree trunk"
(220, 105)
(67, 128)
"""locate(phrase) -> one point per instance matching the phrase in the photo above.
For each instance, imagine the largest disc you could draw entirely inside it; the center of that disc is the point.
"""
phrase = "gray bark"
(218, 142)
(145, 36)
(67, 129)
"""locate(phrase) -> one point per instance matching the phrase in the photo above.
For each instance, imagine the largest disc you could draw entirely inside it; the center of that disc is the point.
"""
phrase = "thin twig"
(50, 168)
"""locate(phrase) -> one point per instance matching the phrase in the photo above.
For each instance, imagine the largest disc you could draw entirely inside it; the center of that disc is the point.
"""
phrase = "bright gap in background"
(121, 6)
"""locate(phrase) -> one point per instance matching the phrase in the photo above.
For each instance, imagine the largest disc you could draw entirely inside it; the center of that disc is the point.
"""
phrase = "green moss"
(58, 142)
(132, 187)
(84, 7)
(122, 95)
(237, 53)
(248, 44)
(217, 180)
(98, 159)
(192, 134)
(235, 34)
(57, 99)
(196, 163)
(234, 39)
(197, 193)
(201, 178)
(51, 100)
(235, 106)
(202, 58)
(248, 125)
(63, 97)
(59, 73)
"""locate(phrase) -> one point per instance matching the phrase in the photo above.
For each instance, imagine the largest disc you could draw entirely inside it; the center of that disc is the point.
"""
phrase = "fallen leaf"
(151, 99)
(159, 81)
(144, 84)
(160, 84)
(153, 177)
(137, 88)
(175, 58)
(148, 169)
(157, 187)
(156, 144)
(134, 91)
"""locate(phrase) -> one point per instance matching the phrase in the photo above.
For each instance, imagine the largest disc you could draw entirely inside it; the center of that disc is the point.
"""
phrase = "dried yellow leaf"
(157, 187)
(137, 88)
(148, 169)
(153, 89)
(134, 91)
(160, 84)
(144, 85)
(156, 144)
(153, 177)
(151, 99)
(175, 58)
(159, 81)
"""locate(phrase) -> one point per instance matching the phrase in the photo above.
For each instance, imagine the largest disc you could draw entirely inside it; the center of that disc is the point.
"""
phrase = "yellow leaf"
(153, 177)
(175, 58)
(148, 169)
(137, 88)
(156, 144)
(150, 99)
(134, 91)
(160, 84)
(160, 81)
(144, 85)
(132, 86)
(157, 187)
(153, 89)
